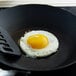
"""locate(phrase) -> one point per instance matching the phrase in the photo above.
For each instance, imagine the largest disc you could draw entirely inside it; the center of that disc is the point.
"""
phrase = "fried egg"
(39, 43)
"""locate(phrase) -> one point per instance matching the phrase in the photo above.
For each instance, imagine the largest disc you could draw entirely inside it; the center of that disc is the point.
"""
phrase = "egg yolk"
(37, 41)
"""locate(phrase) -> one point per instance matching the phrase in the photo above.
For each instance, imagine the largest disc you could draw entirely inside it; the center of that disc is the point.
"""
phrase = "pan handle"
(23, 73)
(28, 73)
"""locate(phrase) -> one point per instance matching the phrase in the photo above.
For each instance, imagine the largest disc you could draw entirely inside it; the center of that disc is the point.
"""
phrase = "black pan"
(17, 20)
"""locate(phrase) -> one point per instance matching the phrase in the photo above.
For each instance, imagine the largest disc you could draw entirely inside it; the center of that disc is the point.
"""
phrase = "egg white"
(48, 50)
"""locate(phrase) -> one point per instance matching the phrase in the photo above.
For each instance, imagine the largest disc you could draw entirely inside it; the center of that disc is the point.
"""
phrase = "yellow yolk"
(37, 41)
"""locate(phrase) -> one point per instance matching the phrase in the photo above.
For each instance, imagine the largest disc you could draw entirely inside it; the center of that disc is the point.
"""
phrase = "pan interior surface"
(21, 19)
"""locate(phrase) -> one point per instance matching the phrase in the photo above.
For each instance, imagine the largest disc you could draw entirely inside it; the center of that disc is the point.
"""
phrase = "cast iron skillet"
(17, 20)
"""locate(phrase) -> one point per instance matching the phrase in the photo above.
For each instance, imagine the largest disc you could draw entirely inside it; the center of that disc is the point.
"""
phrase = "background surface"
(10, 3)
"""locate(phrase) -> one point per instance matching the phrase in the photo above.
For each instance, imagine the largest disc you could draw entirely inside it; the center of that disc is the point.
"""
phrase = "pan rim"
(22, 69)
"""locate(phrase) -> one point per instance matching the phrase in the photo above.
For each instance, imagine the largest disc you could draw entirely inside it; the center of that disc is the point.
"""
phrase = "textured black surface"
(60, 22)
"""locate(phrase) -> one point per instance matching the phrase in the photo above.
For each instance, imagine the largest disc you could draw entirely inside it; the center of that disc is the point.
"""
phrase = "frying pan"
(17, 20)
